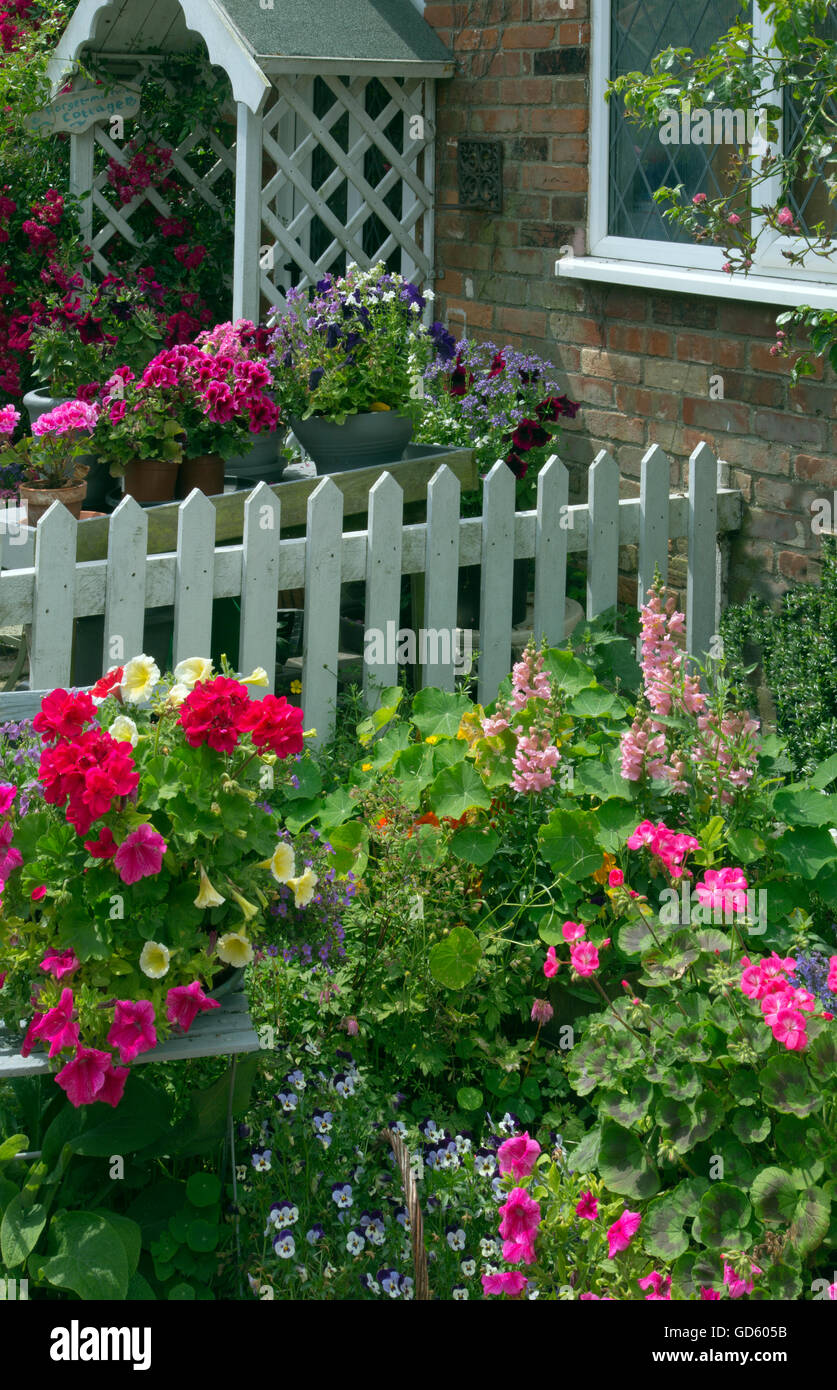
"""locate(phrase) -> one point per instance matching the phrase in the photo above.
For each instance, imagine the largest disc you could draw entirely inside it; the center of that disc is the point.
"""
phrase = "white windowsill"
(757, 289)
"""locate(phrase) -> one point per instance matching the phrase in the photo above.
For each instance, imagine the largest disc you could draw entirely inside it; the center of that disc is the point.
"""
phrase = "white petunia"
(154, 960)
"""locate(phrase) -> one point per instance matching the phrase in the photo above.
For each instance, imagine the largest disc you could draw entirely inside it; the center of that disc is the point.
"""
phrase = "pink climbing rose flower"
(140, 854)
(132, 1030)
(184, 1002)
(622, 1232)
(517, 1155)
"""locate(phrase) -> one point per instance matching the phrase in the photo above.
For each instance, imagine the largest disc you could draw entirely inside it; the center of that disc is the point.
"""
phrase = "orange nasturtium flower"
(608, 863)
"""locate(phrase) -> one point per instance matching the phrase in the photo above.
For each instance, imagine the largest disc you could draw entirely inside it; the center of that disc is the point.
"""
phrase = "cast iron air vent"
(479, 168)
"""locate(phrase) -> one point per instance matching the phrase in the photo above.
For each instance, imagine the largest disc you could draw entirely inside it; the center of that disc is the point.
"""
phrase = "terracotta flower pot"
(205, 472)
(151, 480)
(39, 500)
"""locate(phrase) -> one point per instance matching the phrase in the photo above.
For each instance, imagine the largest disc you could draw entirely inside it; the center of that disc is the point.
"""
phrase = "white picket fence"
(53, 590)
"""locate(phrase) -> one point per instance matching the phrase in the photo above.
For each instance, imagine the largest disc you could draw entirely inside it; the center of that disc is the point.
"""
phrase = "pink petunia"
(622, 1232)
(519, 1251)
(114, 1086)
(60, 963)
(57, 1027)
(84, 1077)
(520, 1215)
(661, 1284)
(133, 1029)
(8, 792)
(517, 1155)
(183, 1002)
(510, 1282)
(587, 1207)
(140, 855)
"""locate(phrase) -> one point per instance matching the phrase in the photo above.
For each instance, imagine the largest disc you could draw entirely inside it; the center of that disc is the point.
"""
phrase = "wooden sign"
(77, 111)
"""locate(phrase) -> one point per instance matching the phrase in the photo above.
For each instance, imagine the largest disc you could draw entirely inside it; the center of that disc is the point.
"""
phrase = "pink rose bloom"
(698, 199)
(723, 890)
(56, 1026)
(518, 1155)
(551, 964)
(140, 855)
(8, 792)
(784, 217)
(133, 1029)
(573, 931)
(738, 1286)
(615, 878)
(587, 1207)
(511, 1282)
(183, 1002)
(60, 963)
(584, 958)
(622, 1232)
(520, 1215)
(84, 1077)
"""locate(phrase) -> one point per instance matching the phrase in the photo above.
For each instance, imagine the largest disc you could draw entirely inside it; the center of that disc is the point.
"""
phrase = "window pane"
(639, 161)
(808, 199)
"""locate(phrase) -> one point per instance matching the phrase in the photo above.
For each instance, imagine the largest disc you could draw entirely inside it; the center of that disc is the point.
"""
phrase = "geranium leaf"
(624, 1165)
(722, 1218)
(774, 1195)
(786, 1085)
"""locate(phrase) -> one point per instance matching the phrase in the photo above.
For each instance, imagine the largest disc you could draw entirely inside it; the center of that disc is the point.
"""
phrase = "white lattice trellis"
(290, 202)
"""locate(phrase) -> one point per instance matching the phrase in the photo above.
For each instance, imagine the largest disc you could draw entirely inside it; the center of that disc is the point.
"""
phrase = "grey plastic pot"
(363, 441)
(99, 481)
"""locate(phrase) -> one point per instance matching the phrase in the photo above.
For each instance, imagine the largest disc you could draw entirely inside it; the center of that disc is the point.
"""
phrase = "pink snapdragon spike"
(132, 1030)
(737, 1286)
(587, 1207)
(60, 963)
(518, 1154)
(584, 958)
(140, 855)
(724, 890)
(184, 1002)
(551, 964)
(57, 1027)
(622, 1232)
(510, 1282)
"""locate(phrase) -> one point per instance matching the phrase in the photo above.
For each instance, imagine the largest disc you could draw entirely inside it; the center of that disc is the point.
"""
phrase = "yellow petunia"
(234, 949)
(124, 730)
(178, 694)
(258, 677)
(154, 960)
(249, 910)
(207, 895)
(281, 863)
(139, 679)
(303, 888)
(192, 671)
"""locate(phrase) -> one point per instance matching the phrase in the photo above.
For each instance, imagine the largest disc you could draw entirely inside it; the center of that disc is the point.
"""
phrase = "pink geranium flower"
(8, 792)
(573, 931)
(737, 1286)
(584, 957)
(57, 1027)
(659, 1283)
(551, 964)
(622, 1232)
(60, 963)
(133, 1029)
(615, 878)
(520, 1215)
(587, 1207)
(724, 890)
(510, 1282)
(708, 1295)
(84, 1077)
(140, 854)
(183, 1002)
(789, 1029)
(517, 1155)
(831, 982)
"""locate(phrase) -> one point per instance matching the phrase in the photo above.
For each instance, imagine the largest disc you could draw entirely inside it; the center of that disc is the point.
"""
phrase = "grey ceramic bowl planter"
(366, 440)
(99, 481)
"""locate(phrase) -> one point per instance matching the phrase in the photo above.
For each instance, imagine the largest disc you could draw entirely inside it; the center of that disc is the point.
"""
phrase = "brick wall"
(640, 362)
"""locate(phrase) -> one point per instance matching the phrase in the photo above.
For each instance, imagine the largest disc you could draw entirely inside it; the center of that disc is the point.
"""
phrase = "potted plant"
(503, 404)
(243, 341)
(346, 362)
(138, 436)
(52, 459)
(140, 864)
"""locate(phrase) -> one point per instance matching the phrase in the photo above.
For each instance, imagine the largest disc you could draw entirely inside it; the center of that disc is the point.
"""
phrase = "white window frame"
(682, 266)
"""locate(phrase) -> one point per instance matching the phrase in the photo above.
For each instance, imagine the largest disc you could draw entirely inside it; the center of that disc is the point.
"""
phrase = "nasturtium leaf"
(438, 713)
(349, 843)
(415, 769)
(805, 850)
(309, 781)
(502, 1083)
(530, 1088)
(300, 813)
(389, 700)
(475, 846)
(385, 750)
(774, 1195)
(469, 1098)
(723, 1216)
(182, 1293)
(749, 1126)
(824, 773)
(456, 790)
(805, 806)
(550, 928)
(454, 960)
(628, 1109)
(594, 702)
(786, 1085)
(203, 1189)
(745, 845)
(613, 823)
(202, 1235)
(568, 845)
(336, 808)
(568, 674)
(625, 1166)
(810, 1220)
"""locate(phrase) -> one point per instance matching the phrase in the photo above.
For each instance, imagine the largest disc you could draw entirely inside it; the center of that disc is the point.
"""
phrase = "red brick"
(803, 568)
(754, 390)
(440, 15)
(477, 315)
(505, 65)
(591, 390)
(572, 34)
(476, 38)
(816, 470)
(776, 526)
(610, 364)
(623, 338)
(789, 429)
(752, 321)
(528, 36)
(813, 399)
(717, 415)
(565, 178)
(783, 494)
(615, 426)
(761, 361)
(626, 304)
(657, 343)
(451, 283)
(504, 121)
(569, 150)
(560, 119)
(529, 323)
(701, 347)
(532, 91)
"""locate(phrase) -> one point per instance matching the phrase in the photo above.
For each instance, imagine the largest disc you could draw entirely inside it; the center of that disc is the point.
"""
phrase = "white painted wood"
(441, 568)
(51, 640)
(248, 176)
(654, 483)
(321, 630)
(82, 148)
(125, 584)
(194, 567)
(603, 537)
(260, 585)
(383, 583)
(703, 536)
(551, 552)
(496, 580)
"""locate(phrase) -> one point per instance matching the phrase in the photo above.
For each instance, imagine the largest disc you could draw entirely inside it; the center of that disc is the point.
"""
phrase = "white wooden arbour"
(274, 52)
